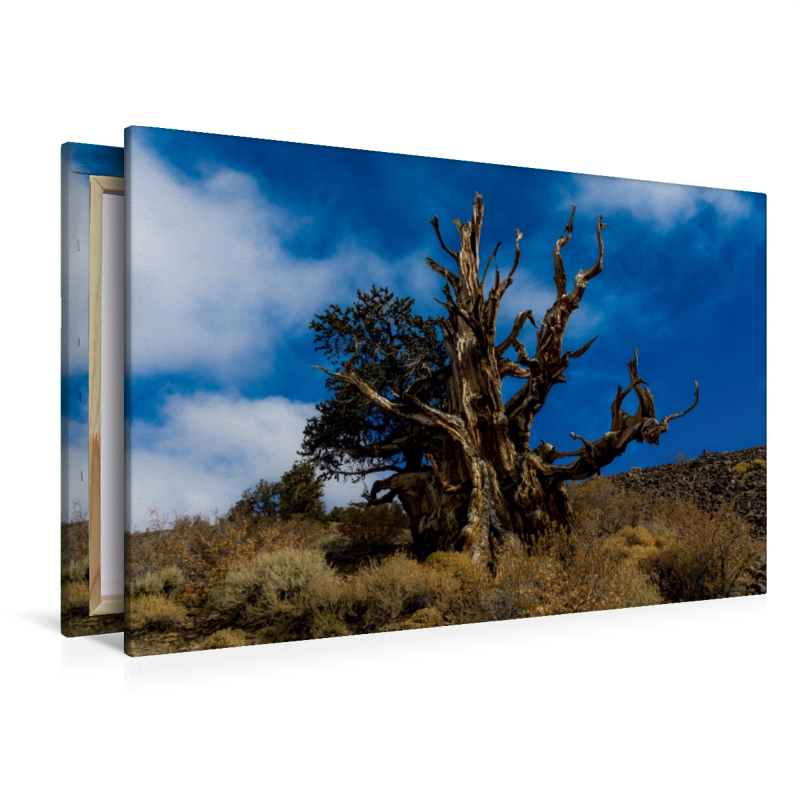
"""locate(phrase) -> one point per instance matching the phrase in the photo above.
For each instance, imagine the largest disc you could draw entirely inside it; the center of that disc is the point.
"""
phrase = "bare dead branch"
(588, 450)
(556, 372)
(443, 271)
(561, 276)
(508, 369)
(578, 353)
(435, 223)
(489, 261)
(665, 422)
(584, 276)
(516, 329)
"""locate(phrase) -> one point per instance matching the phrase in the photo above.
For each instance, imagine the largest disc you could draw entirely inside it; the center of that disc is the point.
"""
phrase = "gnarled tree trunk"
(487, 483)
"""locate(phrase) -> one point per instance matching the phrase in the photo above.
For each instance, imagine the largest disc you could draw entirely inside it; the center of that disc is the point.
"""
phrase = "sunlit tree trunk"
(487, 484)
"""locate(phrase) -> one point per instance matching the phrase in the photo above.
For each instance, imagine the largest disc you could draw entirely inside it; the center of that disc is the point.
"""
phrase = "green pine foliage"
(298, 493)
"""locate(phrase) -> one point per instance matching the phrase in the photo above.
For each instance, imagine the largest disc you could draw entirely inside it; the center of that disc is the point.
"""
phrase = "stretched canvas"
(346, 414)
(92, 231)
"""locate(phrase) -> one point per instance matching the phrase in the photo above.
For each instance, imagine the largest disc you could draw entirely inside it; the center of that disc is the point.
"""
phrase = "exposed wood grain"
(489, 484)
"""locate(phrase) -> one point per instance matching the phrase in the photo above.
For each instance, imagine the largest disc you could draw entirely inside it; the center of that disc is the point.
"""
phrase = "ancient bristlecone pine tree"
(470, 477)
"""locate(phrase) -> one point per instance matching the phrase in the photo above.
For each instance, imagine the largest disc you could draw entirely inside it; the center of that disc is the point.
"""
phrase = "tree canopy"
(382, 338)
(298, 492)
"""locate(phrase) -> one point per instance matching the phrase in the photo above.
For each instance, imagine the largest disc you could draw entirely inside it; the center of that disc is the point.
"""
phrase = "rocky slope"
(707, 481)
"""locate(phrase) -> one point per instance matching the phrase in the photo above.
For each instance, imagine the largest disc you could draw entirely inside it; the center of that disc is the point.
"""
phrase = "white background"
(694, 701)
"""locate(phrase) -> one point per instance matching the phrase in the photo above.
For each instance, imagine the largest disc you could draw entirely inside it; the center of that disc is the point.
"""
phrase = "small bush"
(637, 536)
(74, 598)
(635, 543)
(374, 526)
(459, 587)
(227, 637)
(602, 508)
(429, 617)
(76, 570)
(154, 612)
(759, 462)
(741, 468)
(74, 542)
(164, 581)
(285, 591)
(380, 595)
(702, 556)
(557, 578)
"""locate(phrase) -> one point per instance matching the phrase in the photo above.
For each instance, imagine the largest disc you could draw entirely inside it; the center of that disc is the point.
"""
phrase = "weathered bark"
(488, 484)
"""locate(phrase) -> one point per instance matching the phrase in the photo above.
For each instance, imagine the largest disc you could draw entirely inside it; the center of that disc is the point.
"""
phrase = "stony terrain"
(707, 481)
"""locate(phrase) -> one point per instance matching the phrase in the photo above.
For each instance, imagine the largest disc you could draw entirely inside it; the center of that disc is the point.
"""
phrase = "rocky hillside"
(708, 480)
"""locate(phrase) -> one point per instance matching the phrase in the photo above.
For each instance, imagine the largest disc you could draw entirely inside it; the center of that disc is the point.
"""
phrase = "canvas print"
(80, 164)
(372, 392)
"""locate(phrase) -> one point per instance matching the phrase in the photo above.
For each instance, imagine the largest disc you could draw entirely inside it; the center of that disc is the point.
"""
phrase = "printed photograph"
(81, 614)
(370, 392)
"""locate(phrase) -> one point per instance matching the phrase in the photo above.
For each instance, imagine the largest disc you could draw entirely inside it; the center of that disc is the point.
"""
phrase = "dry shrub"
(701, 556)
(164, 581)
(429, 617)
(77, 570)
(601, 507)
(291, 593)
(74, 542)
(564, 577)
(374, 527)
(74, 598)
(741, 468)
(379, 596)
(75, 588)
(154, 612)
(206, 551)
(460, 588)
(227, 637)
(636, 543)
(759, 462)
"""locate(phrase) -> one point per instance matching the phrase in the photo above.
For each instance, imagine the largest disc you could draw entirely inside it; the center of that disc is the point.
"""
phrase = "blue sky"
(237, 243)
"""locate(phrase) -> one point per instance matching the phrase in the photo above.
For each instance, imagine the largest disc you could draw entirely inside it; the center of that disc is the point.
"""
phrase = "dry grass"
(271, 581)
(164, 581)
(74, 542)
(77, 570)
(204, 551)
(601, 508)
(565, 577)
(154, 612)
(293, 593)
(74, 598)
(429, 617)
(741, 468)
(227, 637)
(381, 595)
(701, 556)
(691, 554)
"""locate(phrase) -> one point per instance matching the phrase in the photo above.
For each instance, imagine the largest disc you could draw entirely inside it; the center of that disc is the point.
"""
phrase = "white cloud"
(210, 447)
(664, 205)
(213, 285)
